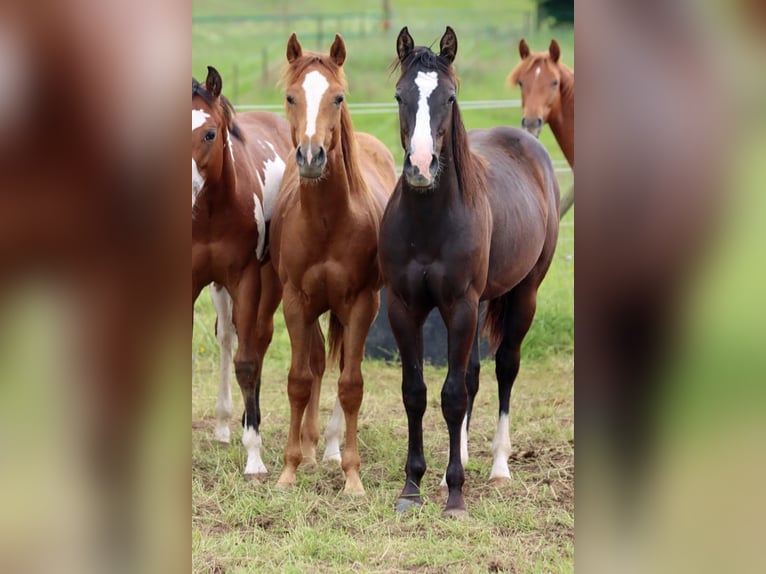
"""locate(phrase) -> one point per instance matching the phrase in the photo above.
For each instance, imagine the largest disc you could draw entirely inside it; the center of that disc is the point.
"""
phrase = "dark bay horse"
(325, 247)
(237, 168)
(474, 217)
(547, 97)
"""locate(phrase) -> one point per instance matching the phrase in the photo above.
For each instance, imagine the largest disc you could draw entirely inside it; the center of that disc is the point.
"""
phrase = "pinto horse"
(325, 247)
(474, 217)
(237, 168)
(547, 97)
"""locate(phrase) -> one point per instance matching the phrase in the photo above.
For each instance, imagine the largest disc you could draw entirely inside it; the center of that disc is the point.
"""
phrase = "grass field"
(527, 526)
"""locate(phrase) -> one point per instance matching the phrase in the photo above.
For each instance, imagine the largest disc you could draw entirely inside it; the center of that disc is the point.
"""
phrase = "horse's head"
(212, 124)
(315, 88)
(538, 76)
(426, 93)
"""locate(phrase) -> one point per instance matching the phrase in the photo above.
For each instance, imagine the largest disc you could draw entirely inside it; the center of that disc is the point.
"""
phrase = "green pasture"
(527, 526)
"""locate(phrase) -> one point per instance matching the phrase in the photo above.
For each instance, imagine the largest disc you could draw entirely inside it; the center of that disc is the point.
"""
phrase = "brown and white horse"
(237, 169)
(547, 97)
(325, 247)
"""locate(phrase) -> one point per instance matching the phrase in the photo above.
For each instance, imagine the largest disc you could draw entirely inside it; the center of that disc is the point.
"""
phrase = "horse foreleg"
(351, 382)
(299, 380)
(247, 365)
(310, 427)
(408, 332)
(226, 335)
(472, 386)
(461, 321)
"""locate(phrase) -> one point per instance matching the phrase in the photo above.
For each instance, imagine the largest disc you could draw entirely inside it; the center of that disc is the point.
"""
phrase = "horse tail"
(494, 321)
(335, 338)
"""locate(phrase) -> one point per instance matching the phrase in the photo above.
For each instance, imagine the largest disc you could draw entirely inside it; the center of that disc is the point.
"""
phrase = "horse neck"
(224, 191)
(562, 122)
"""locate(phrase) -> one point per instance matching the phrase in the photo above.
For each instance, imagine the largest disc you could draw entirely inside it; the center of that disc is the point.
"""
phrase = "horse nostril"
(299, 159)
(539, 122)
(319, 158)
(434, 162)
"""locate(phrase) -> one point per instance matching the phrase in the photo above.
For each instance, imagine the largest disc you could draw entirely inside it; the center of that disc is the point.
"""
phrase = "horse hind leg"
(227, 336)
(516, 310)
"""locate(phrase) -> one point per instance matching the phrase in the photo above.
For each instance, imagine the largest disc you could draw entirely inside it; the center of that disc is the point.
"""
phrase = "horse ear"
(448, 45)
(294, 50)
(404, 44)
(554, 51)
(523, 49)
(213, 82)
(338, 50)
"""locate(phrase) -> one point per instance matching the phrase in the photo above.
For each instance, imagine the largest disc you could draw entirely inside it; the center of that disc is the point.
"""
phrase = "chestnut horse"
(325, 247)
(237, 168)
(474, 217)
(547, 97)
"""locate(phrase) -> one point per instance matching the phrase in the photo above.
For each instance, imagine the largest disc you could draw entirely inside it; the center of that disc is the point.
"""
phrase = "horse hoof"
(309, 462)
(499, 481)
(354, 492)
(443, 489)
(332, 458)
(402, 504)
(256, 477)
(456, 513)
(284, 486)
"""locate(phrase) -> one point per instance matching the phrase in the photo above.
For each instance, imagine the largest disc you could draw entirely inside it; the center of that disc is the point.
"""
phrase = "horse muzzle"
(533, 126)
(415, 177)
(311, 161)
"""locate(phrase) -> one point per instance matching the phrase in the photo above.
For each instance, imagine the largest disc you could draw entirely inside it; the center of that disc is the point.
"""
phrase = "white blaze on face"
(537, 71)
(199, 117)
(315, 85)
(230, 146)
(422, 144)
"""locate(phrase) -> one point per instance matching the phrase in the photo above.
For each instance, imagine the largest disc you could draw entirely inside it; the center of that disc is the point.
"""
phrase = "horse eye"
(451, 99)
(209, 135)
(398, 98)
(555, 83)
(520, 84)
(290, 100)
(338, 100)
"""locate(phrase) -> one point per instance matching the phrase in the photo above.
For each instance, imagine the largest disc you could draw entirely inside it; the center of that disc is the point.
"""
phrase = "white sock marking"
(199, 117)
(422, 144)
(332, 434)
(463, 448)
(315, 85)
(501, 448)
(253, 443)
(226, 336)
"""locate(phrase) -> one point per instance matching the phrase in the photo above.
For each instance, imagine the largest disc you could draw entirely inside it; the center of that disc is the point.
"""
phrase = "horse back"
(267, 147)
(524, 201)
(378, 167)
